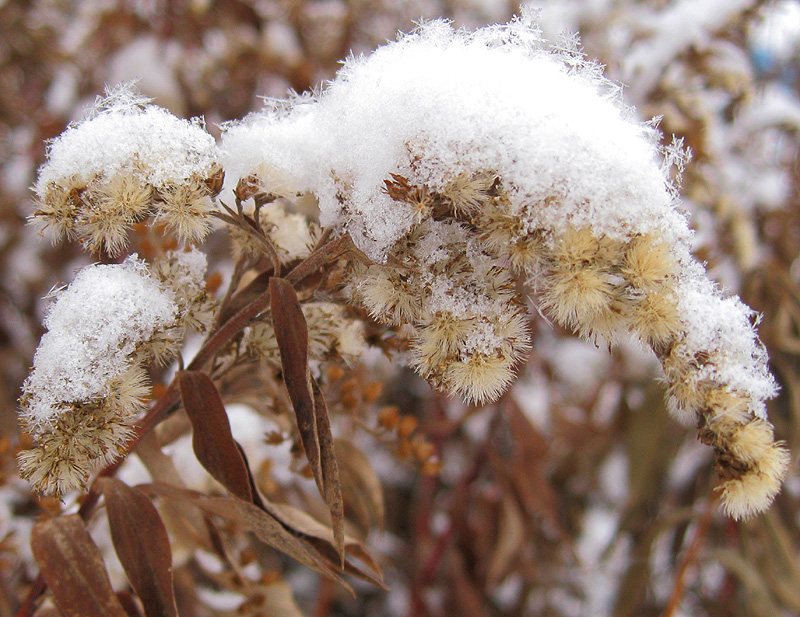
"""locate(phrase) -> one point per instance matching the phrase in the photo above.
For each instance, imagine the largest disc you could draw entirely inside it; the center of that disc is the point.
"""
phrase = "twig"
(689, 558)
(249, 227)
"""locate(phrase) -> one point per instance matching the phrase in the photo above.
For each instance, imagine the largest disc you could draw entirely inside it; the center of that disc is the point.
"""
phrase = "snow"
(94, 326)
(721, 327)
(124, 132)
(440, 103)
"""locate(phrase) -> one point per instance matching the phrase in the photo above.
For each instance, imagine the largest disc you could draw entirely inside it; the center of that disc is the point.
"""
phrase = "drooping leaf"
(291, 334)
(277, 599)
(212, 440)
(510, 539)
(142, 545)
(321, 537)
(73, 568)
(311, 413)
(252, 518)
(332, 489)
(361, 487)
(128, 603)
(185, 525)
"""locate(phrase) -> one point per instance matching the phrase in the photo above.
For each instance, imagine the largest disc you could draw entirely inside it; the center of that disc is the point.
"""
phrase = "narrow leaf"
(321, 537)
(332, 489)
(313, 423)
(73, 568)
(291, 333)
(279, 600)
(261, 522)
(142, 545)
(212, 440)
(361, 487)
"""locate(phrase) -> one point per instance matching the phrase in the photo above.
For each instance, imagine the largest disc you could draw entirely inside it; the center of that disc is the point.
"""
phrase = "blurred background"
(576, 494)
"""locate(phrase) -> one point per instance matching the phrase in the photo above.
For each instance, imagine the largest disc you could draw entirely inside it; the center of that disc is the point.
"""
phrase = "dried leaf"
(73, 568)
(142, 545)
(511, 537)
(264, 525)
(331, 487)
(291, 333)
(361, 488)
(321, 537)
(128, 603)
(311, 413)
(212, 440)
(466, 598)
(246, 295)
(186, 526)
(521, 462)
(277, 599)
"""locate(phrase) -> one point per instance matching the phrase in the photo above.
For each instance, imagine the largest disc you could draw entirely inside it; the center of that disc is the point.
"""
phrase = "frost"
(95, 327)
(124, 132)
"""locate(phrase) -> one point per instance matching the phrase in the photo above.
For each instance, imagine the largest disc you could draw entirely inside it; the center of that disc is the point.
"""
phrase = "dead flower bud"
(470, 194)
(57, 209)
(185, 209)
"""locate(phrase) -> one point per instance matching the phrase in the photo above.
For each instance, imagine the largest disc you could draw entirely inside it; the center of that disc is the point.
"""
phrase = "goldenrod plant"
(263, 290)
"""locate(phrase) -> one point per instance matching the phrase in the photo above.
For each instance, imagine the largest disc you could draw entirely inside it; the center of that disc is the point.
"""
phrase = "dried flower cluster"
(550, 185)
(127, 161)
(466, 213)
(454, 205)
(89, 382)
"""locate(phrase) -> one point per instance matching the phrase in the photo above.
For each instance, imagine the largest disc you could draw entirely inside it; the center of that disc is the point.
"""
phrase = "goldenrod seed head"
(101, 231)
(438, 341)
(648, 262)
(752, 442)
(185, 209)
(579, 298)
(387, 297)
(655, 318)
(754, 491)
(470, 193)
(127, 394)
(480, 378)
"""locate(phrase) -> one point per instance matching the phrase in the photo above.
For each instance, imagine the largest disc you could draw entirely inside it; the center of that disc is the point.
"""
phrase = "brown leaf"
(311, 413)
(185, 525)
(331, 487)
(245, 296)
(321, 537)
(361, 488)
(521, 462)
(73, 568)
(510, 539)
(212, 440)
(291, 333)
(277, 599)
(142, 545)
(263, 524)
(466, 598)
(128, 603)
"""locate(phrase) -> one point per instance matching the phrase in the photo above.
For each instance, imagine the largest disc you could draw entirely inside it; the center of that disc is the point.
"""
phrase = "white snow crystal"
(95, 326)
(442, 102)
(125, 132)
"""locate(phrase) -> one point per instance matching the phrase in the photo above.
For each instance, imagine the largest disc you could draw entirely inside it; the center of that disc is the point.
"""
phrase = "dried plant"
(429, 205)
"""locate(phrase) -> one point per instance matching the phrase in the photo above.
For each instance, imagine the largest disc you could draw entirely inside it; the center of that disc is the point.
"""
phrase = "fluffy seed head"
(754, 491)
(470, 193)
(648, 262)
(185, 209)
(480, 378)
